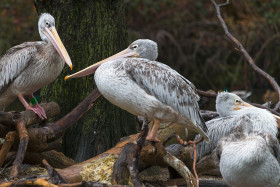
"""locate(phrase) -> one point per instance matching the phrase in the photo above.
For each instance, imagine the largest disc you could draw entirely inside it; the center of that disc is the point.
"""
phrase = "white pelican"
(29, 66)
(232, 110)
(135, 82)
(249, 158)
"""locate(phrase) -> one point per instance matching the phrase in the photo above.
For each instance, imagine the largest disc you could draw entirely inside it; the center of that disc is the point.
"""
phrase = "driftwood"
(23, 136)
(128, 160)
(9, 140)
(42, 182)
(8, 118)
(55, 178)
(54, 158)
(133, 164)
(43, 138)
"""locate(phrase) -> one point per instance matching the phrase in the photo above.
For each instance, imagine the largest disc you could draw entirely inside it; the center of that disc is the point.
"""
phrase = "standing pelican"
(29, 66)
(135, 82)
(249, 158)
(233, 111)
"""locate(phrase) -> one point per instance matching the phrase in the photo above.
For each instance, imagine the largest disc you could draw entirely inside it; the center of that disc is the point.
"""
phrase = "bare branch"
(24, 138)
(245, 53)
(133, 164)
(180, 167)
(209, 94)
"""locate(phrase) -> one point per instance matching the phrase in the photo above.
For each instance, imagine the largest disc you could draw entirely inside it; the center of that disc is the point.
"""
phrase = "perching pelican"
(232, 110)
(29, 66)
(249, 158)
(135, 82)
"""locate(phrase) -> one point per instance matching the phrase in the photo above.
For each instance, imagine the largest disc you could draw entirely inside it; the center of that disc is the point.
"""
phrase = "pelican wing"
(167, 86)
(217, 129)
(14, 62)
(274, 146)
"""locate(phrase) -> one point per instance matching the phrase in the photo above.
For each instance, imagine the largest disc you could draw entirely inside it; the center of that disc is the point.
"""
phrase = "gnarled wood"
(8, 118)
(23, 136)
(9, 140)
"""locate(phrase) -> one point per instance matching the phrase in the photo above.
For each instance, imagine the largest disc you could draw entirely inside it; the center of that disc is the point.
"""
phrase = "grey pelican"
(135, 82)
(29, 66)
(249, 158)
(232, 110)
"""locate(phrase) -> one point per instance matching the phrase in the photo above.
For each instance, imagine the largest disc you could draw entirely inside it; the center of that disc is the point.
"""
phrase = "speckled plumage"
(224, 126)
(249, 159)
(134, 81)
(142, 86)
(29, 66)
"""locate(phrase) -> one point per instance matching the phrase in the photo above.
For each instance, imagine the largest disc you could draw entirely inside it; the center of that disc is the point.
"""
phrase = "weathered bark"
(55, 178)
(91, 31)
(129, 161)
(73, 173)
(54, 158)
(9, 140)
(24, 138)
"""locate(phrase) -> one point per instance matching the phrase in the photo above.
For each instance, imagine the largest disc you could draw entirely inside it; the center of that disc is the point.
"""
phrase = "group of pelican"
(133, 80)
(244, 139)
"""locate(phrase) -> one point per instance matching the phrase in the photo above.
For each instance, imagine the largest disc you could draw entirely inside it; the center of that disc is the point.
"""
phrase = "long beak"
(52, 34)
(91, 69)
(242, 105)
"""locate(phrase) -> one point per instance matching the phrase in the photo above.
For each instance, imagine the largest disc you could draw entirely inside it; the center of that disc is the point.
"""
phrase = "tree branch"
(9, 140)
(24, 138)
(245, 53)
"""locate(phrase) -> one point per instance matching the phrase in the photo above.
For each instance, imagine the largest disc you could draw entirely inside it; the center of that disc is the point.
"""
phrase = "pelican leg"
(41, 109)
(28, 107)
(152, 135)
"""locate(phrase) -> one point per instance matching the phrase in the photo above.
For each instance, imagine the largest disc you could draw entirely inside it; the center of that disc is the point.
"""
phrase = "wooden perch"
(8, 118)
(133, 163)
(3, 130)
(23, 136)
(208, 115)
(55, 178)
(47, 137)
(73, 173)
(180, 167)
(209, 94)
(245, 53)
(9, 140)
(129, 158)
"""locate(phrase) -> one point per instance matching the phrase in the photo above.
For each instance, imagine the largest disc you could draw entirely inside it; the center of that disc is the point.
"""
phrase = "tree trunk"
(90, 31)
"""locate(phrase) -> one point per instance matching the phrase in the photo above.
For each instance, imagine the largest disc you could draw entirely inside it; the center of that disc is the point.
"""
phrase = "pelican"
(29, 66)
(232, 110)
(249, 158)
(135, 82)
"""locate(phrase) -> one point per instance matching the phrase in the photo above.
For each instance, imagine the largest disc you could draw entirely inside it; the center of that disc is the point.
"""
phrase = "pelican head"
(228, 103)
(145, 48)
(48, 33)
(142, 48)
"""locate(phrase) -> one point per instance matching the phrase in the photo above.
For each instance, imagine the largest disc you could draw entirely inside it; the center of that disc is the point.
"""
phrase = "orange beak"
(91, 69)
(52, 34)
(242, 105)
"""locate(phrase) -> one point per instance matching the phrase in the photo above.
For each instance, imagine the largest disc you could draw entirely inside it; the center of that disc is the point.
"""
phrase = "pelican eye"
(48, 24)
(237, 101)
(134, 47)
